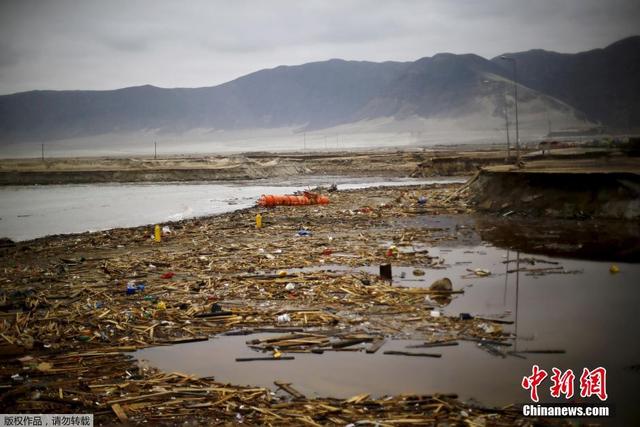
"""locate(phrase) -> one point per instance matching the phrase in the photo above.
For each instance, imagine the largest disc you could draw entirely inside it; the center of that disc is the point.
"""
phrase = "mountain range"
(597, 87)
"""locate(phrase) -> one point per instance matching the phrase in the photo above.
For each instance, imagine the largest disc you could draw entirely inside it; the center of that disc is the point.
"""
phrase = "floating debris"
(67, 326)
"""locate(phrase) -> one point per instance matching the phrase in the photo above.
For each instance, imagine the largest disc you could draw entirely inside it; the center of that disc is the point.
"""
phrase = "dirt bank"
(415, 163)
(459, 164)
(575, 189)
(80, 171)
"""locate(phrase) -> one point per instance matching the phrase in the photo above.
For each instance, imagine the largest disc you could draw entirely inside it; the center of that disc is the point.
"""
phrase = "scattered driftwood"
(75, 307)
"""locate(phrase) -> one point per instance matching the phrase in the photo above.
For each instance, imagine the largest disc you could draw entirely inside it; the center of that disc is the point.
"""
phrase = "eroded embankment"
(238, 172)
(240, 167)
(456, 165)
(558, 194)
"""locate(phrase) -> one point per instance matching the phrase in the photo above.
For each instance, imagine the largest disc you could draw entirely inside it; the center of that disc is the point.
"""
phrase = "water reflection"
(441, 300)
(515, 345)
(614, 240)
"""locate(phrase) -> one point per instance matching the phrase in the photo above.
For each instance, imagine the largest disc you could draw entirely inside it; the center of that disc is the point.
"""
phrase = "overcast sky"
(117, 43)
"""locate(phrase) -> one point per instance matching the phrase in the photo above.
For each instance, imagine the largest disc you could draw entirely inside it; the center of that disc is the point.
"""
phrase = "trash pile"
(72, 307)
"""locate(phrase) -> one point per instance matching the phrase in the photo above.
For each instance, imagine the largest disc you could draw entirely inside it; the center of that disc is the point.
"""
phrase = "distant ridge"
(603, 83)
(598, 86)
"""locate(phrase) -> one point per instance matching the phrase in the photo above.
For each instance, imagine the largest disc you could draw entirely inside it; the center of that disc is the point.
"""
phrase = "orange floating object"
(291, 200)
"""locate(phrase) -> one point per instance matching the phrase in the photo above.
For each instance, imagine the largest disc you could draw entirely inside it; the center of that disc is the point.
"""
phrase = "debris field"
(73, 308)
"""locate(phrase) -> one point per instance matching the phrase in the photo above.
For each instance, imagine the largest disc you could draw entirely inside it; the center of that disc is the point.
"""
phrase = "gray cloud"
(8, 55)
(94, 44)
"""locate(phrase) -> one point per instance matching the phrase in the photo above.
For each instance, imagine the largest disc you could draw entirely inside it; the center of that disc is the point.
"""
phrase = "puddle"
(589, 313)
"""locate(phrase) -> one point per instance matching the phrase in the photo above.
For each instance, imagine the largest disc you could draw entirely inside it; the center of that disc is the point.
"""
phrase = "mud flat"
(585, 188)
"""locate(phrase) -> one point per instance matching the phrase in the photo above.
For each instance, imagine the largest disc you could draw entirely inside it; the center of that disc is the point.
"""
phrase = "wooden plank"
(376, 345)
(292, 391)
(141, 397)
(120, 413)
(488, 319)
(358, 398)
(184, 340)
(434, 344)
(406, 353)
(216, 314)
(350, 342)
(258, 359)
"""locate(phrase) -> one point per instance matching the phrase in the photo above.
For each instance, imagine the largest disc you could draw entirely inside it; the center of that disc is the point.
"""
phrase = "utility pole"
(515, 92)
(506, 119)
(155, 150)
(43, 152)
(506, 125)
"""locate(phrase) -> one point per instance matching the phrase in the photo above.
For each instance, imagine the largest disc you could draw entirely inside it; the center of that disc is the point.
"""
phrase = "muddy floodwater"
(28, 212)
(566, 312)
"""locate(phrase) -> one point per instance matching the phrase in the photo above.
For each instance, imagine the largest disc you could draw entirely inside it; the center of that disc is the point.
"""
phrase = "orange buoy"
(290, 200)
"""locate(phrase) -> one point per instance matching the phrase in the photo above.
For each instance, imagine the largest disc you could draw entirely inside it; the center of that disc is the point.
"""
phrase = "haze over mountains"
(446, 92)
